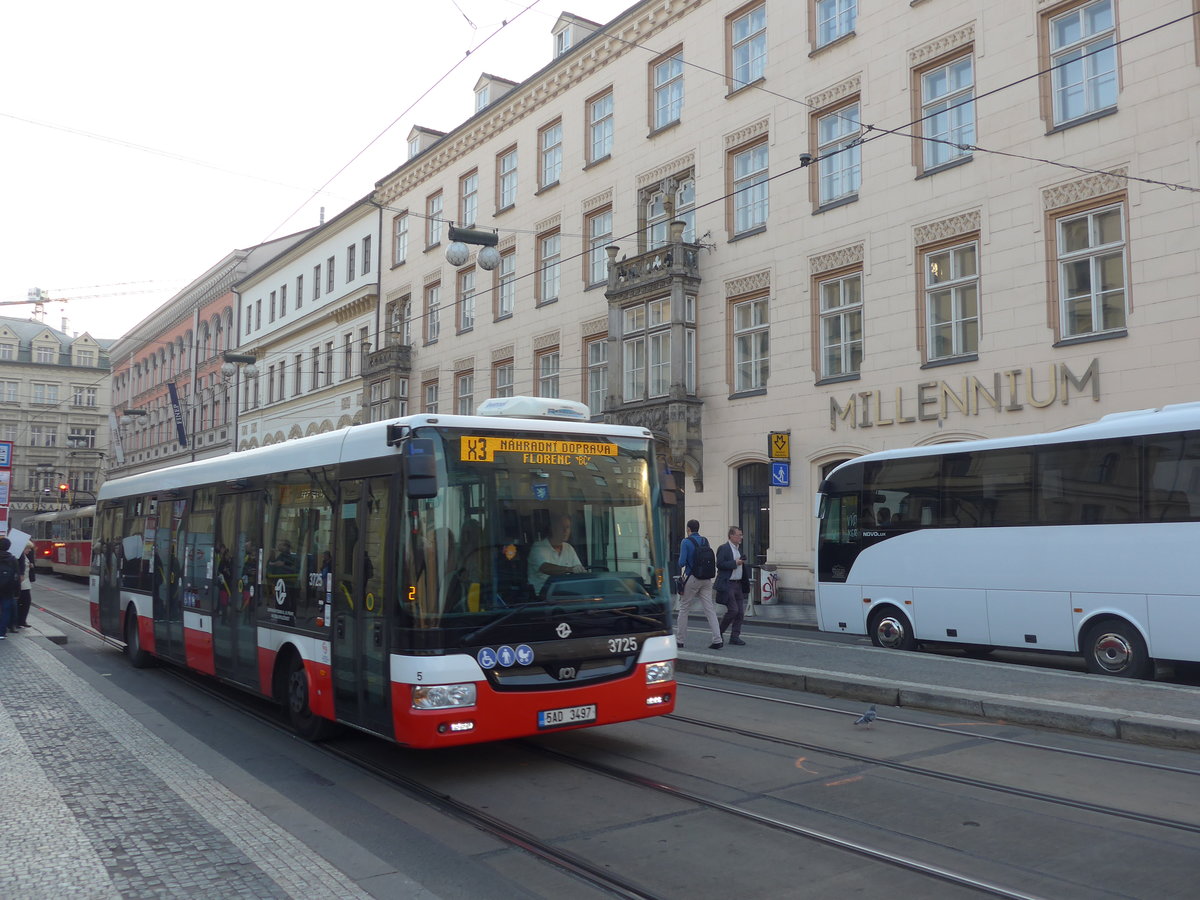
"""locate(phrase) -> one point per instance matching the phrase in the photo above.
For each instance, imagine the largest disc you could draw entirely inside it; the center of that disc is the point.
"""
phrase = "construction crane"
(38, 298)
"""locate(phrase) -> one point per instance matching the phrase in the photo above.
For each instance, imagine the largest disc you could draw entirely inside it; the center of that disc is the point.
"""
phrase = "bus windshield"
(527, 521)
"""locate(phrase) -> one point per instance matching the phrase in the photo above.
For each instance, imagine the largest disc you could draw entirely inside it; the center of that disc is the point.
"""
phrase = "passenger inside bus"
(553, 554)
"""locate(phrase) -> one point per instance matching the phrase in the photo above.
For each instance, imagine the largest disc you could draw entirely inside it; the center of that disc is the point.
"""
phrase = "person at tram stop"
(28, 577)
(11, 591)
(695, 589)
(733, 583)
(553, 555)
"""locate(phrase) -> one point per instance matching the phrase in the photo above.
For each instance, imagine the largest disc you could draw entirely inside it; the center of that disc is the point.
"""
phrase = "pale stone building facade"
(903, 223)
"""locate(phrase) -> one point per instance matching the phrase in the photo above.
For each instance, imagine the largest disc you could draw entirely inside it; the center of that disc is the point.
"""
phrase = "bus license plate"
(570, 715)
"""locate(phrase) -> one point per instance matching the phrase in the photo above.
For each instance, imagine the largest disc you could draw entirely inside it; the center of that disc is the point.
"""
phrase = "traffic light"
(63, 488)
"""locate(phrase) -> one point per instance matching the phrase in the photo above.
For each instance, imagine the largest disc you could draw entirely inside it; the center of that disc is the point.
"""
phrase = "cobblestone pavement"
(96, 806)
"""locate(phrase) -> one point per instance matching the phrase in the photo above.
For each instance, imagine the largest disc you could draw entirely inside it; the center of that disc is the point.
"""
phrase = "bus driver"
(553, 555)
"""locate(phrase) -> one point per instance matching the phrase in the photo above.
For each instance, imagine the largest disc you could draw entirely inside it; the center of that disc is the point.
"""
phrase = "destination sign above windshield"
(534, 451)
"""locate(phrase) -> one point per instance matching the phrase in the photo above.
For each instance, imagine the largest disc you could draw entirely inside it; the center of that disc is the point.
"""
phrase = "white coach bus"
(1083, 541)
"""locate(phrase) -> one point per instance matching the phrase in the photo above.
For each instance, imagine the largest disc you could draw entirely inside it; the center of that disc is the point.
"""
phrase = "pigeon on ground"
(866, 718)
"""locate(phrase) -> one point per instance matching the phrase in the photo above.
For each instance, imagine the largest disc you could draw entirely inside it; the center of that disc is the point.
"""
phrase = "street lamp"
(235, 364)
(458, 252)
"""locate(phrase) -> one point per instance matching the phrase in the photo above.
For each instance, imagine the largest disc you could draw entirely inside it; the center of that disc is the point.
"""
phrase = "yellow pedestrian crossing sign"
(779, 445)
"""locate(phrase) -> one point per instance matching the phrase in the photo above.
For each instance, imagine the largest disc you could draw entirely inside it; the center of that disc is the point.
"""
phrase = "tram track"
(943, 729)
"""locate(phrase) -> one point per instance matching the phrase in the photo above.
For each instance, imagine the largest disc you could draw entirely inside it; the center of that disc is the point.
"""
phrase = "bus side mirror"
(420, 478)
(667, 485)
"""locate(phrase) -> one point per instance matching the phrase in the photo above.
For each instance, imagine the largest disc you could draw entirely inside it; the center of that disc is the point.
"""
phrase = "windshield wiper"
(649, 620)
(484, 629)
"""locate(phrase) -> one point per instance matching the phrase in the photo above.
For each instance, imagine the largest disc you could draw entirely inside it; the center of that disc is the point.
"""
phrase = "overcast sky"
(141, 141)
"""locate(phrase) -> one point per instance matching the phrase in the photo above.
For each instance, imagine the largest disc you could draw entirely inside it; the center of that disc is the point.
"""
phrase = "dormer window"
(414, 146)
(482, 97)
(562, 41)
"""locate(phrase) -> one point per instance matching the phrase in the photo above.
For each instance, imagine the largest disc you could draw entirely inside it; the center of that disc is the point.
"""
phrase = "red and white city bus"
(62, 540)
(380, 576)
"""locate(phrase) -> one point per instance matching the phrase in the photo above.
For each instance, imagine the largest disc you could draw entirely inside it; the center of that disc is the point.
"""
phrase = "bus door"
(168, 605)
(112, 525)
(238, 566)
(361, 672)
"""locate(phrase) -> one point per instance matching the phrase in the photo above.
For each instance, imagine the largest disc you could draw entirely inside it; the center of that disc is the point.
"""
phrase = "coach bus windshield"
(524, 522)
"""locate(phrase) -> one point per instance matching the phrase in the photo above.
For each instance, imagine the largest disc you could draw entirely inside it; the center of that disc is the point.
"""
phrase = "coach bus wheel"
(1114, 647)
(891, 630)
(304, 721)
(138, 658)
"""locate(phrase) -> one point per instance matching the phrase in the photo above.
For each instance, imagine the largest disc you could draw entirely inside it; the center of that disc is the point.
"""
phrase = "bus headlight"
(442, 696)
(657, 673)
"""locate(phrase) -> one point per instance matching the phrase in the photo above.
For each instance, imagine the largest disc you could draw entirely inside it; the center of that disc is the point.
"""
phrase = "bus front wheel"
(1114, 647)
(303, 720)
(891, 630)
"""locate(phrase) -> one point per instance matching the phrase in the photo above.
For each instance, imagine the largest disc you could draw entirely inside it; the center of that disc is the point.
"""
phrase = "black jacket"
(7, 559)
(726, 563)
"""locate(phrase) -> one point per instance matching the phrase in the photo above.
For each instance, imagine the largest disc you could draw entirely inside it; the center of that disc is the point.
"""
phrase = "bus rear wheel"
(304, 721)
(1114, 647)
(138, 657)
(891, 630)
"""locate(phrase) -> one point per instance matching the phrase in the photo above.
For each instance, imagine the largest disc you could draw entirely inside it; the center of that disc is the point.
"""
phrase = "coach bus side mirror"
(420, 479)
(667, 485)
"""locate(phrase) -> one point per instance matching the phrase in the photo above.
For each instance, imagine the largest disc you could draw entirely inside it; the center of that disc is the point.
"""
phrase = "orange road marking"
(850, 780)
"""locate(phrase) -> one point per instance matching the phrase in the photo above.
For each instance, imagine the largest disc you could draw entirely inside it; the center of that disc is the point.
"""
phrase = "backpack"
(704, 562)
(10, 576)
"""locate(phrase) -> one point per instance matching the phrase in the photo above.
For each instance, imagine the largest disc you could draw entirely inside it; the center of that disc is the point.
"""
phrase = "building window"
(468, 199)
(282, 300)
(666, 76)
(366, 255)
(947, 115)
(749, 187)
(1091, 271)
(841, 321)
(466, 300)
(550, 157)
(272, 308)
(549, 252)
(316, 286)
(596, 354)
(347, 358)
(297, 371)
(599, 227)
(82, 438)
(328, 363)
(299, 291)
(433, 312)
(430, 396)
(502, 379)
(8, 351)
(665, 204)
(351, 266)
(85, 358)
(1083, 61)
(464, 393)
(45, 354)
(600, 127)
(82, 395)
(329, 275)
(433, 220)
(562, 41)
(399, 239)
(951, 301)
(834, 19)
(9, 391)
(482, 98)
(646, 350)
(43, 436)
(839, 170)
(751, 337)
(547, 373)
(316, 368)
(506, 179)
(44, 393)
(506, 292)
(748, 46)
(379, 405)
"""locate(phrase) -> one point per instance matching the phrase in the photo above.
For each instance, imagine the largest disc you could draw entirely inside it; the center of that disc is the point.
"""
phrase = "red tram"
(62, 540)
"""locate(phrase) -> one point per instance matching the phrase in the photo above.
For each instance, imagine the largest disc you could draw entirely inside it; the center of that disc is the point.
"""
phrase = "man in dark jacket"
(10, 587)
(732, 584)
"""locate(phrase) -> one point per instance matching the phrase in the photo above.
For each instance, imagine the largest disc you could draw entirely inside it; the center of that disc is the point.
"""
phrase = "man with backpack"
(10, 587)
(698, 565)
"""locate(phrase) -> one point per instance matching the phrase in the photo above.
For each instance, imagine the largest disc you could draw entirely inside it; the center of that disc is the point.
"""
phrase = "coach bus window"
(992, 488)
(1088, 483)
(1172, 477)
(908, 488)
